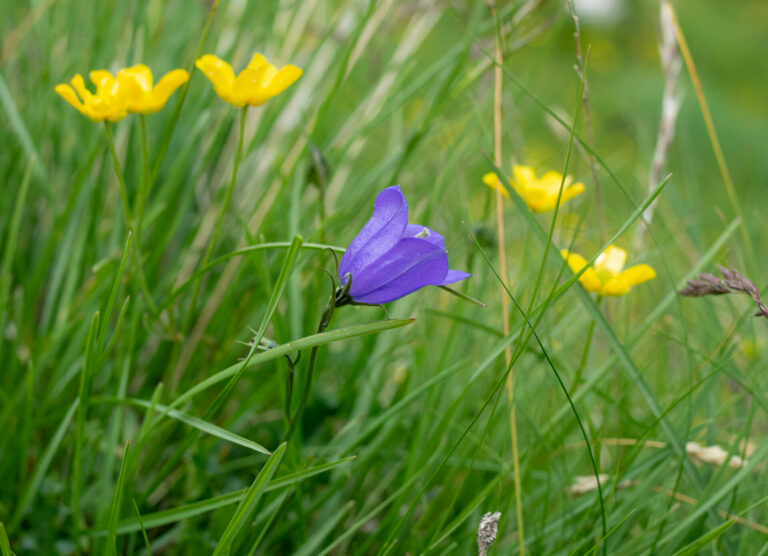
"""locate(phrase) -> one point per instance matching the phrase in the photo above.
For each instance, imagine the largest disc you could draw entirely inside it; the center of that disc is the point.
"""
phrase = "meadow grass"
(145, 404)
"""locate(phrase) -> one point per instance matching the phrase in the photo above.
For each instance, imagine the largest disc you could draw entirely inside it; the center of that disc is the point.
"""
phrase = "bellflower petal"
(417, 230)
(390, 258)
(380, 234)
(453, 276)
(411, 264)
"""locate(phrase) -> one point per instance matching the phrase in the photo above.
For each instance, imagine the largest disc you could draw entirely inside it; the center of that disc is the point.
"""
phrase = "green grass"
(137, 413)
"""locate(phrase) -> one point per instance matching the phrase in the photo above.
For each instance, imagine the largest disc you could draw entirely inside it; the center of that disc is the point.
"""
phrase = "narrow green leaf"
(199, 424)
(277, 293)
(5, 544)
(12, 238)
(272, 511)
(187, 511)
(707, 504)
(113, 294)
(83, 395)
(296, 345)
(248, 504)
(42, 468)
(699, 543)
(312, 544)
(20, 128)
(114, 511)
(244, 251)
(143, 530)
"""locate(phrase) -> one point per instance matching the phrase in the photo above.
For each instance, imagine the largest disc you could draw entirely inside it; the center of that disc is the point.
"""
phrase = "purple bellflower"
(390, 258)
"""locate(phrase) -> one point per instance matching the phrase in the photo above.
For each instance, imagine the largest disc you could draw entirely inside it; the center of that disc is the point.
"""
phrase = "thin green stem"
(143, 194)
(325, 320)
(129, 219)
(120, 178)
(223, 211)
(585, 353)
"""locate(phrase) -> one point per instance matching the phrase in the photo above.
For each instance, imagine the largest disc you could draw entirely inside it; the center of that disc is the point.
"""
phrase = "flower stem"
(325, 320)
(223, 211)
(143, 194)
(129, 219)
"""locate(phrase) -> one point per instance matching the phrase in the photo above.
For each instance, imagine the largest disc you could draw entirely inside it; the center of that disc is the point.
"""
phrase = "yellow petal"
(220, 73)
(492, 180)
(164, 89)
(140, 74)
(550, 182)
(98, 77)
(286, 77)
(79, 85)
(257, 61)
(251, 84)
(539, 200)
(632, 276)
(589, 279)
(571, 192)
(68, 94)
(524, 176)
(611, 261)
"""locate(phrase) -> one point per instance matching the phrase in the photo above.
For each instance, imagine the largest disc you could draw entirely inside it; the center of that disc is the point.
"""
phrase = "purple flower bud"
(390, 258)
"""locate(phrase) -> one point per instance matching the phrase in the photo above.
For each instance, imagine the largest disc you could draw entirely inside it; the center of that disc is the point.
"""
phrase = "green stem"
(223, 211)
(146, 183)
(129, 219)
(325, 320)
(119, 173)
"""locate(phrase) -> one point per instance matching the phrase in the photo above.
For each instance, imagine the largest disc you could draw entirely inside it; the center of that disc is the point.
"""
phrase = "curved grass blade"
(5, 544)
(239, 252)
(42, 468)
(11, 239)
(199, 424)
(296, 345)
(114, 510)
(113, 294)
(248, 503)
(180, 513)
(143, 530)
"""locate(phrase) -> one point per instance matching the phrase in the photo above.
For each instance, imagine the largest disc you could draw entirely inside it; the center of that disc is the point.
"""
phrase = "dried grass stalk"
(732, 282)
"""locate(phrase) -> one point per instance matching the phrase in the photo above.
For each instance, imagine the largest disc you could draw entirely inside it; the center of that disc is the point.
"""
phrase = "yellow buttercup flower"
(141, 97)
(606, 276)
(108, 103)
(255, 85)
(540, 194)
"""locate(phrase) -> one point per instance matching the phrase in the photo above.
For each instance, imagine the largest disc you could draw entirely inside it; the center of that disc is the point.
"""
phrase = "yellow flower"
(107, 104)
(141, 97)
(540, 194)
(255, 85)
(606, 277)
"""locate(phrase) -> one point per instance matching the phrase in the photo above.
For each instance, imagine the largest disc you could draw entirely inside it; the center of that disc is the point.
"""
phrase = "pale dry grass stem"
(671, 101)
(510, 384)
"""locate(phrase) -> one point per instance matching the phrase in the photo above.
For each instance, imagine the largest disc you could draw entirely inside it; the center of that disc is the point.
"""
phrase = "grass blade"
(188, 511)
(12, 238)
(199, 424)
(248, 504)
(5, 545)
(296, 345)
(42, 467)
(114, 511)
